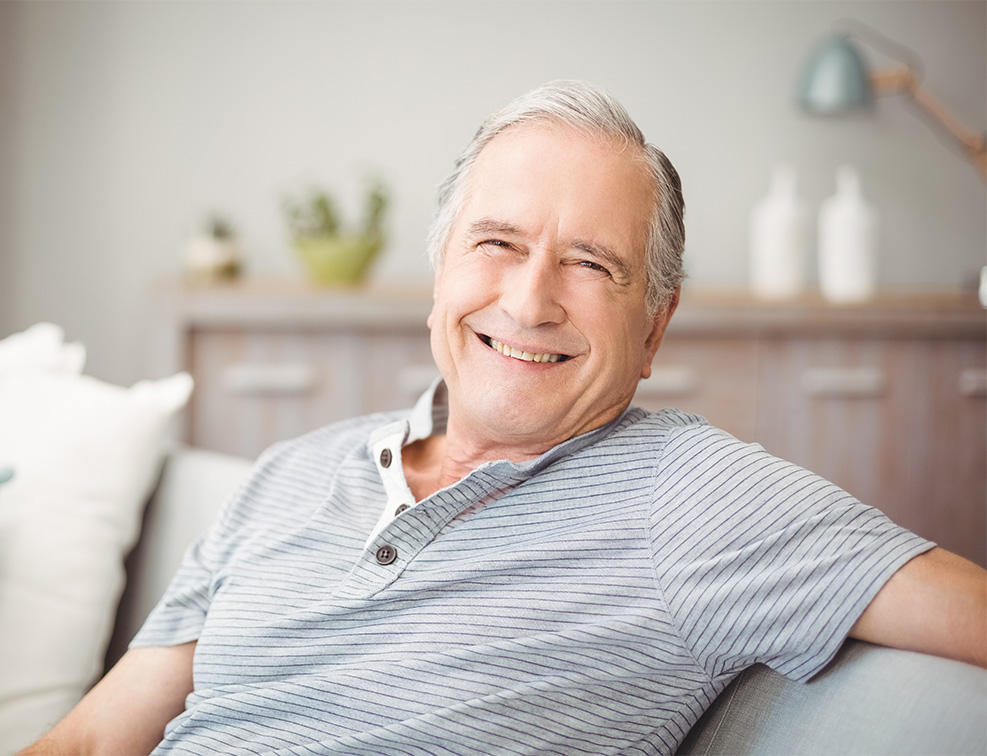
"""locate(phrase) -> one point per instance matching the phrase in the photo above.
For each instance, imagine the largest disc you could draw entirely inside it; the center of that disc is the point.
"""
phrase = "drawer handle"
(973, 382)
(290, 378)
(864, 382)
(671, 380)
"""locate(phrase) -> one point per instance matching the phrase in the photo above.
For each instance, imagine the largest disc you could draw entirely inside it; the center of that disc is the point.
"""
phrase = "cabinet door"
(955, 495)
(712, 377)
(399, 367)
(870, 415)
(259, 386)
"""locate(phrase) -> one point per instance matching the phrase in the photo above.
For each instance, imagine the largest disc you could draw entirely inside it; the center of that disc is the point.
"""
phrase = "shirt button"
(402, 508)
(386, 554)
(385, 458)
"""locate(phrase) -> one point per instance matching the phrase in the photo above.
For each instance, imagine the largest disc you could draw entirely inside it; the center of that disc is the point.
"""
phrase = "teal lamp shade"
(835, 80)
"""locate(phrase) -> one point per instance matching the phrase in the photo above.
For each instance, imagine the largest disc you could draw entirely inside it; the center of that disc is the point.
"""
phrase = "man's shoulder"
(667, 417)
(293, 476)
(351, 430)
(669, 433)
(640, 435)
(660, 424)
(320, 449)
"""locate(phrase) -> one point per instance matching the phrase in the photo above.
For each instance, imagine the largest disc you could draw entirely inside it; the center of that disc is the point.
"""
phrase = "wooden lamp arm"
(903, 81)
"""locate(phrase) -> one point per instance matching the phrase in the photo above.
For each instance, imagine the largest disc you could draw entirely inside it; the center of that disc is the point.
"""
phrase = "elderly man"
(522, 563)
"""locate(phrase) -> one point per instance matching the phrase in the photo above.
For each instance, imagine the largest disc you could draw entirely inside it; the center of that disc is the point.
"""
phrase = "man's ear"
(659, 325)
(436, 284)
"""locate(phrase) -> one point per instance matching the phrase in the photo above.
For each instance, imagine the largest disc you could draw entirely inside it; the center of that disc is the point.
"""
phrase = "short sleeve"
(180, 615)
(761, 560)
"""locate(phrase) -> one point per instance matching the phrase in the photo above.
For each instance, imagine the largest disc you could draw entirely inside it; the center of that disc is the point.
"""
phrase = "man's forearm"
(126, 712)
(936, 604)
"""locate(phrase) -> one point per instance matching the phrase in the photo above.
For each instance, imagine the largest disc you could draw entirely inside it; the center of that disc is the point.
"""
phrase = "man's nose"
(530, 292)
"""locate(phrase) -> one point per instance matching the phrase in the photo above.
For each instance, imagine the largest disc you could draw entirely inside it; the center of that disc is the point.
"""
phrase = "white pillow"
(40, 347)
(85, 455)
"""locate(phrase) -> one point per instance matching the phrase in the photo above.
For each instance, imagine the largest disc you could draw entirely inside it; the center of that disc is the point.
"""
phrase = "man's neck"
(440, 460)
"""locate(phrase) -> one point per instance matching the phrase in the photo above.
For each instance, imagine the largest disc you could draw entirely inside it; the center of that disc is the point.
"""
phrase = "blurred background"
(123, 125)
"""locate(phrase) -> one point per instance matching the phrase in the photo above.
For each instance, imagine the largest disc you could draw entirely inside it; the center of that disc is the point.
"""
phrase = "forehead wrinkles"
(617, 144)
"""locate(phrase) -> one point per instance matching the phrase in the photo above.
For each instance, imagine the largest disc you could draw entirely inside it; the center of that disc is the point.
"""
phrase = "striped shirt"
(594, 600)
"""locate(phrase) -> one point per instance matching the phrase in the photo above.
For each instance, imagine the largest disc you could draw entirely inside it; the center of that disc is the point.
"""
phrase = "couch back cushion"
(194, 485)
(870, 700)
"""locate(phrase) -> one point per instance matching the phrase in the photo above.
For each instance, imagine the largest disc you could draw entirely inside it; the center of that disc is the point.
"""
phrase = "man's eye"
(594, 266)
(495, 243)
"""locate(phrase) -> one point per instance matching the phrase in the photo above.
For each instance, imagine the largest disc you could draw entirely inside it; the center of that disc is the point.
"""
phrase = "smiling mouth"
(519, 354)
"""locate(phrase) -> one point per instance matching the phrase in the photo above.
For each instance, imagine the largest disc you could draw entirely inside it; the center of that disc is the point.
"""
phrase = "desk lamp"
(837, 81)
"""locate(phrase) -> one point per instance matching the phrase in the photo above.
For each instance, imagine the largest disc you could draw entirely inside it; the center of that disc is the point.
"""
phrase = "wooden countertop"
(927, 314)
(278, 303)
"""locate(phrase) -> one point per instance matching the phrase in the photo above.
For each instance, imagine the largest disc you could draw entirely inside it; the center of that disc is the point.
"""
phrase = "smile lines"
(519, 354)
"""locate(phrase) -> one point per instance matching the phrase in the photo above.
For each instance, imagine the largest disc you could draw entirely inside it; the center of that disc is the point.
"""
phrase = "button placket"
(385, 451)
(396, 546)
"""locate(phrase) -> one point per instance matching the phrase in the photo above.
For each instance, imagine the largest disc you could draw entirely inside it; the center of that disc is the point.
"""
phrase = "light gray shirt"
(592, 601)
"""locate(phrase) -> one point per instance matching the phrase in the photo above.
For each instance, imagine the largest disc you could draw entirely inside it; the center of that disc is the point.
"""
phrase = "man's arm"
(936, 603)
(126, 712)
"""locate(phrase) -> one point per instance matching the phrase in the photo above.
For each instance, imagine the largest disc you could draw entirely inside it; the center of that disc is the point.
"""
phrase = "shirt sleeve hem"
(804, 669)
(157, 632)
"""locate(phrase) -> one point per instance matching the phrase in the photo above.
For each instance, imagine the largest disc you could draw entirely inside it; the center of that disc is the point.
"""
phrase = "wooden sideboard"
(888, 399)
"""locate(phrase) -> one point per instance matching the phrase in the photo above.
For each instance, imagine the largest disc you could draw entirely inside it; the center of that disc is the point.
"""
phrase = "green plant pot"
(338, 260)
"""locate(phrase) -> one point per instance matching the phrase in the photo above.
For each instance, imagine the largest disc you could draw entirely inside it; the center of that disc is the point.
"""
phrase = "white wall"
(123, 124)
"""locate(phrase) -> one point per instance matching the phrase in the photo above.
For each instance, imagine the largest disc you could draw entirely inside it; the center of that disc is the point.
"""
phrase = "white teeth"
(519, 354)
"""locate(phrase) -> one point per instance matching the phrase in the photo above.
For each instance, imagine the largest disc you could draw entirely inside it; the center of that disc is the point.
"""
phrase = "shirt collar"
(430, 415)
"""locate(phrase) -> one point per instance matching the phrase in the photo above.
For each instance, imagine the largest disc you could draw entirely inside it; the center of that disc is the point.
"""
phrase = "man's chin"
(527, 423)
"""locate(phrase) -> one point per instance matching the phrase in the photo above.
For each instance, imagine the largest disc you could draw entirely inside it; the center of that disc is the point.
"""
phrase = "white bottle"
(847, 242)
(779, 239)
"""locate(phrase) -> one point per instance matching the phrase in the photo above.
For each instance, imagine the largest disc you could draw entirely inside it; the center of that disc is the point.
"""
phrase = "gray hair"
(588, 108)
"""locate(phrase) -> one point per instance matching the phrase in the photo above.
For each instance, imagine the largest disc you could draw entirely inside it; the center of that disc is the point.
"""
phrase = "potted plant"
(335, 255)
(212, 254)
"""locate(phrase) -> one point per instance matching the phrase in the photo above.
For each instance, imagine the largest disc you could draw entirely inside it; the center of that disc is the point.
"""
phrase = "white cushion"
(41, 348)
(85, 455)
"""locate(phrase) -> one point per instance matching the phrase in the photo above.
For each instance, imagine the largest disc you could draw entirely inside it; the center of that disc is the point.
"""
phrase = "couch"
(82, 479)
(870, 700)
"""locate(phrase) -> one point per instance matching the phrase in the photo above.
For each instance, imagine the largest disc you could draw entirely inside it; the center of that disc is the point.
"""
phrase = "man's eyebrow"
(607, 255)
(492, 226)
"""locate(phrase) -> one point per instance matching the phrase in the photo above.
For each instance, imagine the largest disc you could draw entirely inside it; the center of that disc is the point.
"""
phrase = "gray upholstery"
(869, 700)
(193, 486)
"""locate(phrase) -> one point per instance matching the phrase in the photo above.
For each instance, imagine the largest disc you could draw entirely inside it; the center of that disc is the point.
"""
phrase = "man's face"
(539, 325)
